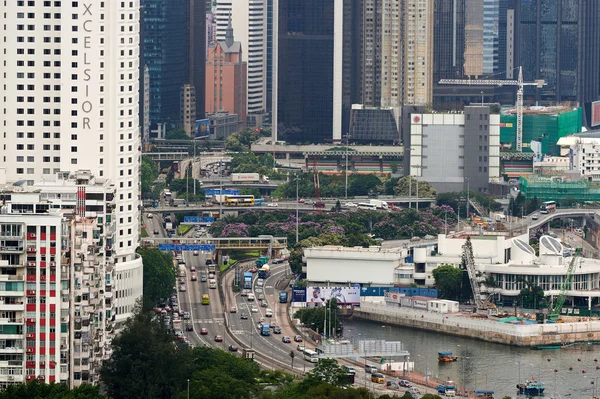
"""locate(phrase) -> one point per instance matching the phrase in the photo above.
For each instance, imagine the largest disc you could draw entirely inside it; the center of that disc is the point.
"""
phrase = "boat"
(546, 347)
(484, 394)
(531, 388)
(449, 388)
(446, 357)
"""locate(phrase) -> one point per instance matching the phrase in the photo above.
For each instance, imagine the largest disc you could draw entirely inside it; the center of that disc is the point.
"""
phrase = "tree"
(149, 174)
(328, 371)
(531, 295)
(177, 134)
(448, 281)
(159, 276)
(361, 184)
(39, 390)
(409, 183)
(132, 372)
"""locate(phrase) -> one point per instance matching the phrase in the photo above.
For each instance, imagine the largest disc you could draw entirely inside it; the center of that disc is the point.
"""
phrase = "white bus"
(364, 205)
(310, 356)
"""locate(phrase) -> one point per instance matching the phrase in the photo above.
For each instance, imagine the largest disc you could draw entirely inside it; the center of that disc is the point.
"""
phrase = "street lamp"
(347, 138)
(188, 391)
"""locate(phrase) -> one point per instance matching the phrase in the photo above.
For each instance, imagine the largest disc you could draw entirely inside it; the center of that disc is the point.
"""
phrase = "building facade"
(226, 77)
(61, 281)
(250, 21)
(556, 40)
(164, 49)
(71, 102)
(188, 109)
(456, 151)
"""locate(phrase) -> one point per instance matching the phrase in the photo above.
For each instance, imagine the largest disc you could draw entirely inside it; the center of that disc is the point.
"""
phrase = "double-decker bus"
(239, 200)
(548, 207)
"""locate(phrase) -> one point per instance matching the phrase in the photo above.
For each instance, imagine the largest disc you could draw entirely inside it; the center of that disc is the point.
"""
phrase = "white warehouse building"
(509, 261)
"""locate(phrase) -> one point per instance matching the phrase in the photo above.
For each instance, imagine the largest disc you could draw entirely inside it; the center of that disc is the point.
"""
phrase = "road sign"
(197, 219)
(213, 192)
(187, 247)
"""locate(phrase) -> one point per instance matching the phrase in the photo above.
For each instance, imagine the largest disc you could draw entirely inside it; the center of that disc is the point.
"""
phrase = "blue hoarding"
(187, 247)
(211, 192)
(298, 294)
(202, 128)
(197, 219)
(408, 291)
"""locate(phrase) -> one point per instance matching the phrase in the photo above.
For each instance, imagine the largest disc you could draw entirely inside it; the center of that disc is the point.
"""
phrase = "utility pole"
(221, 192)
(409, 191)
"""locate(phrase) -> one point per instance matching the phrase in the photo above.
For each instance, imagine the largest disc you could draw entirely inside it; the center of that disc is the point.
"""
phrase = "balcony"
(12, 277)
(12, 249)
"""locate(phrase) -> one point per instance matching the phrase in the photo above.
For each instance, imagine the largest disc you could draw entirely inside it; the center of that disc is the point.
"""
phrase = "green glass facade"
(545, 128)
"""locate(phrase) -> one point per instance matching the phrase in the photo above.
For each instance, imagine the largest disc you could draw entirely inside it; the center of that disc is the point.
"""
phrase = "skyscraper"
(172, 34)
(558, 41)
(70, 102)
(249, 19)
(164, 49)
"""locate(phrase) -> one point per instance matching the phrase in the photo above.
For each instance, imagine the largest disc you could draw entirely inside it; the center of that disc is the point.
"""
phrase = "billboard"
(316, 296)
(202, 128)
(595, 113)
(299, 294)
(186, 247)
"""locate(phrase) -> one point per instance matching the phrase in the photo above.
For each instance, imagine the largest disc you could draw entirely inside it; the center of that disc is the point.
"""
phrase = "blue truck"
(283, 297)
(247, 280)
(265, 329)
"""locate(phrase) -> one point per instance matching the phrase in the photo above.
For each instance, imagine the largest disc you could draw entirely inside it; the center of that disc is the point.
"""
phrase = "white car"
(254, 309)
(273, 205)
(350, 205)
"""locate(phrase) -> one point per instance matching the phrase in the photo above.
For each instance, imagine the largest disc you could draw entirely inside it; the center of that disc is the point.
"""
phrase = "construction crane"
(498, 82)
(566, 286)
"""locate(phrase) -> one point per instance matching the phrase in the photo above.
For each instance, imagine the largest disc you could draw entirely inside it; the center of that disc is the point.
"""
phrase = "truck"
(283, 296)
(247, 279)
(379, 204)
(500, 217)
(262, 261)
(248, 178)
(264, 272)
(178, 202)
(265, 329)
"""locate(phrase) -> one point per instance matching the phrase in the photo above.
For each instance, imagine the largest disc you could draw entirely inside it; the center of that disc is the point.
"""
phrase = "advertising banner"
(185, 247)
(202, 128)
(299, 294)
(317, 296)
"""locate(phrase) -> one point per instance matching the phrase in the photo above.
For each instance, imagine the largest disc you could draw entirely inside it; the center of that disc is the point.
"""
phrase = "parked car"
(286, 340)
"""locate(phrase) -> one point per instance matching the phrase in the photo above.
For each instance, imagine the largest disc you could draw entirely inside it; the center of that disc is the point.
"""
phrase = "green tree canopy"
(328, 371)
(38, 390)
(177, 134)
(149, 174)
(159, 275)
(408, 184)
(448, 279)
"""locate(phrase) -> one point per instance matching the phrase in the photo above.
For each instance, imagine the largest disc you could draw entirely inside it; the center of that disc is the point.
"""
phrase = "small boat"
(546, 347)
(531, 388)
(446, 357)
(484, 394)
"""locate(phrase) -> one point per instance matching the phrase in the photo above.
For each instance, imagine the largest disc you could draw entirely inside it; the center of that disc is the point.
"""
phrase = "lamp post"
(188, 391)
(347, 138)
(221, 191)
(297, 206)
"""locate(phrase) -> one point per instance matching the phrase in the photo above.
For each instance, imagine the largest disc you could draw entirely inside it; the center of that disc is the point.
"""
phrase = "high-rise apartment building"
(249, 19)
(63, 291)
(558, 41)
(418, 52)
(196, 28)
(226, 78)
(71, 102)
(369, 52)
(392, 53)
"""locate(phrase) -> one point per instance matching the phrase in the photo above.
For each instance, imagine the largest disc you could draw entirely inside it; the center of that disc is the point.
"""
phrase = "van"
(212, 283)
(251, 298)
(268, 313)
(370, 369)
(378, 378)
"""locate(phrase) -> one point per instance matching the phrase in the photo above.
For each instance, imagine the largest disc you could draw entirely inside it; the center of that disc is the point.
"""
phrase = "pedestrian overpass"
(263, 243)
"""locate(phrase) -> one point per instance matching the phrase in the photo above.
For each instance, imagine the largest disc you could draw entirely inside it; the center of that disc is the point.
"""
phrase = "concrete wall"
(485, 330)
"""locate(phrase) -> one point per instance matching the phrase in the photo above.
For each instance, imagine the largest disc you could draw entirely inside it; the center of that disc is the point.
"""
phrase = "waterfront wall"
(486, 330)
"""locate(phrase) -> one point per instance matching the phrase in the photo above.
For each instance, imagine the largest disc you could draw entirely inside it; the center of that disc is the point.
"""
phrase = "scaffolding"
(556, 189)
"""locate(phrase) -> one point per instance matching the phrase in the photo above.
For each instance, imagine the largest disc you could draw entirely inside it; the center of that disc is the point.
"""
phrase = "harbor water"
(483, 365)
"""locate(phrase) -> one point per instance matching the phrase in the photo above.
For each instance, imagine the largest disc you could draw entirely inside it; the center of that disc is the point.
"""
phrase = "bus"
(548, 207)
(239, 200)
(205, 299)
(283, 295)
(310, 356)
(364, 205)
